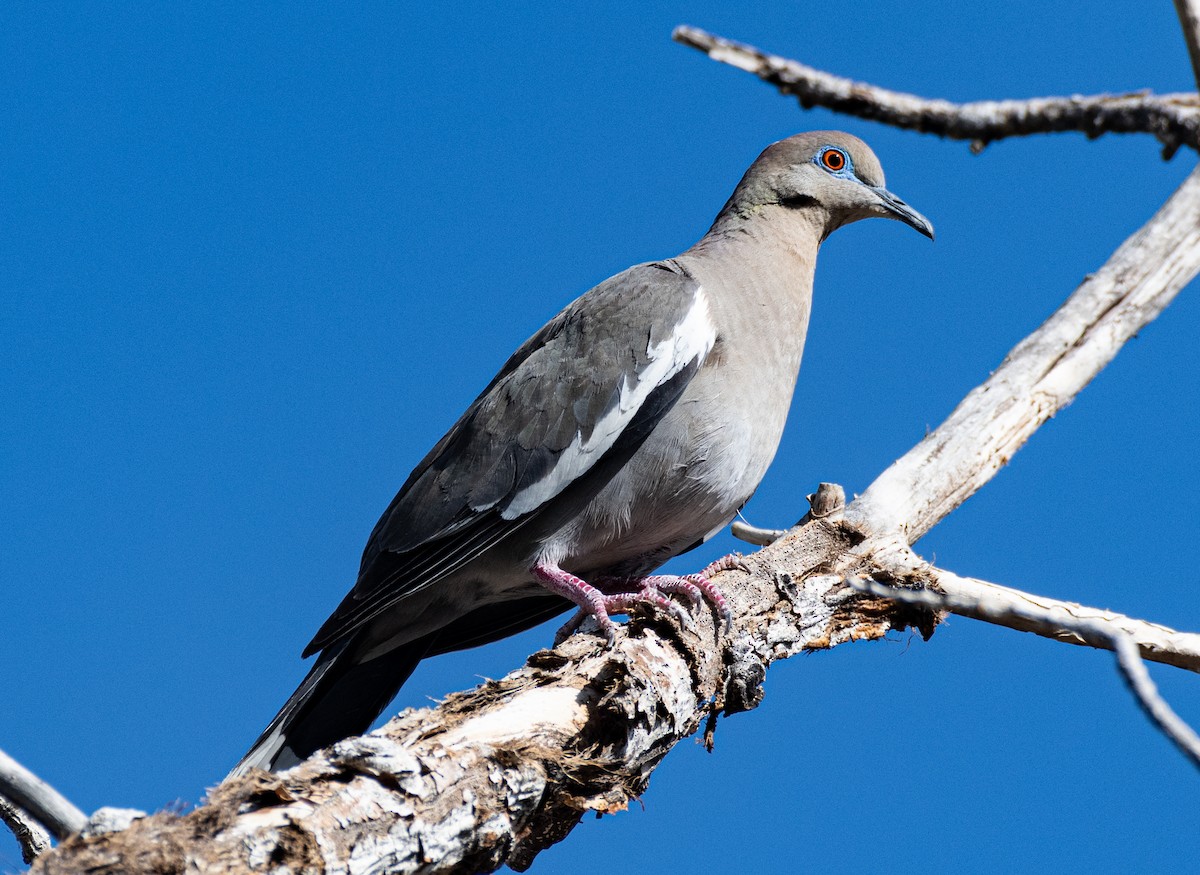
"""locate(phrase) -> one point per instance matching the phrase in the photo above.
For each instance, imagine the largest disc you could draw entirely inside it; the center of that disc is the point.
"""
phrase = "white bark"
(1063, 622)
(1155, 642)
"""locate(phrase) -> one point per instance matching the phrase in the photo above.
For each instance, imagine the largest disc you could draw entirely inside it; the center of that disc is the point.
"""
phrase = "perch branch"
(1173, 118)
(496, 774)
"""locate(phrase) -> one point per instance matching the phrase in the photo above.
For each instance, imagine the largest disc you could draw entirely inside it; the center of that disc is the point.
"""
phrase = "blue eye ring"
(834, 160)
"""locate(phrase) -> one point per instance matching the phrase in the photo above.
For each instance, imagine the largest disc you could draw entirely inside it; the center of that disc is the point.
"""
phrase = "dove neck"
(769, 250)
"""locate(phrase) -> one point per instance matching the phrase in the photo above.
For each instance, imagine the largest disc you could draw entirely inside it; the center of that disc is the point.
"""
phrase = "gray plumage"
(627, 430)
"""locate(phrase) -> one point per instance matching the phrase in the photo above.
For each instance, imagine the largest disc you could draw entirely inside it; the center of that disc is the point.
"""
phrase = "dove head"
(834, 176)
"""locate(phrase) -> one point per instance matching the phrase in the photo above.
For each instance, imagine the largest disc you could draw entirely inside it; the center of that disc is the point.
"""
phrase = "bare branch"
(1160, 713)
(743, 531)
(1069, 622)
(995, 605)
(1173, 118)
(829, 499)
(45, 804)
(1155, 642)
(1189, 20)
(29, 834)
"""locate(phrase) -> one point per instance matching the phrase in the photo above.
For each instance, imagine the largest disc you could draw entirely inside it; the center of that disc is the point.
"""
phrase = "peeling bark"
(496, 774)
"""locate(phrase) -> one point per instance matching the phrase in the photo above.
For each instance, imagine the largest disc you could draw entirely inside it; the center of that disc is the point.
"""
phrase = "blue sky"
(256, 258)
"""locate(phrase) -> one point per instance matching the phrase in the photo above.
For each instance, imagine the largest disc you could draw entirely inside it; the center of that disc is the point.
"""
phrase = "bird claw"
(654, 590)
(607, 626)
(732, 562)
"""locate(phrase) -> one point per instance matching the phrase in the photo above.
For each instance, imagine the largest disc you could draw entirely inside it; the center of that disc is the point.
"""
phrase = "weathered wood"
(1172, 118)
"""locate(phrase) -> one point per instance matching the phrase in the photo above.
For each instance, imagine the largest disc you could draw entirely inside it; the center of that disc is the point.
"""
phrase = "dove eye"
(834, 159)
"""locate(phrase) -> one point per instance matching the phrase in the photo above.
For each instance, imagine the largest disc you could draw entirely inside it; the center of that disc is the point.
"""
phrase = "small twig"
(828, 501)
(1052, 622)
(41, 801)
(1173, 118)
(1007, 607)
(29, 834)
(1133, 670)
(743, 531)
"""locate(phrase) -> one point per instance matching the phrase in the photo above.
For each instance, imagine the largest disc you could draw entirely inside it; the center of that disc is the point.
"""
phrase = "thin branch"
(1155, 642)
(45, 804)
(894, 561)
(1173, 118)
(1189, 21)
(33, 840)
(1144, 690)
(759, 537)
(1052, 622)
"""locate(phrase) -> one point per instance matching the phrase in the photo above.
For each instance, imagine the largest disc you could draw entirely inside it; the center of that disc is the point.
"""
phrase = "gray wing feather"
(548, 416)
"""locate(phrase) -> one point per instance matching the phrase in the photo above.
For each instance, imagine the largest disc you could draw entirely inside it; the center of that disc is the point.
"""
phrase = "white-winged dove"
(629, 429)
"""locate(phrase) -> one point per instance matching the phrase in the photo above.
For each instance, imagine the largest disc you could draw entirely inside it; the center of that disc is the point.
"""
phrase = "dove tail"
(339, 698)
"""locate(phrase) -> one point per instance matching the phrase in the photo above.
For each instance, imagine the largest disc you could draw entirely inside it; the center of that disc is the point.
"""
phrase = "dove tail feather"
(339, 698)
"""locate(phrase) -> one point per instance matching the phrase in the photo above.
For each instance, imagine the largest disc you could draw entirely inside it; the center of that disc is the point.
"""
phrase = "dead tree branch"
(1010, 607)
(1173, 118)
(996, 604)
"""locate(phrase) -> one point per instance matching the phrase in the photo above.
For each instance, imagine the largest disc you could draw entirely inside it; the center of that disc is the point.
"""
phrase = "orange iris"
(834, 160)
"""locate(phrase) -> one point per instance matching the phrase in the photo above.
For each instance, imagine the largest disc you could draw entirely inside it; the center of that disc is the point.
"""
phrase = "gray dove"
(629, 429)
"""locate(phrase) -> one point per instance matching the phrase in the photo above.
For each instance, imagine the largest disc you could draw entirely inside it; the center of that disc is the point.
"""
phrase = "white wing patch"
(692, 339)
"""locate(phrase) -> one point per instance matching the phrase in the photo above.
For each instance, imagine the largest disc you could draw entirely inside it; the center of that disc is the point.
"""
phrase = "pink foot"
(621, 594)
(732, 562)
